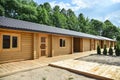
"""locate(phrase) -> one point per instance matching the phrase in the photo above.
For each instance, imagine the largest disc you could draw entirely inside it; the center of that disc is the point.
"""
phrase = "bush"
(117, 51)
(105, 50)
(115, 47)
(110, 51)
(98, 50)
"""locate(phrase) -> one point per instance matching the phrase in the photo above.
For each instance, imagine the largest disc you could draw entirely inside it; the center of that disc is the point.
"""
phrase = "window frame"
(63, 43)
(11, 37)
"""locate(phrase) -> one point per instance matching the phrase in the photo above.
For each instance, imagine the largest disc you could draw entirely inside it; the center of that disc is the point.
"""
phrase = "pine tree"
(98, 50)
(105, 50)
(110, 51)
(117, 51)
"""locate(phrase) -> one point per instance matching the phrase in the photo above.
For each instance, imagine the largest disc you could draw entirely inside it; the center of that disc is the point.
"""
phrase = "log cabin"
(23, 40)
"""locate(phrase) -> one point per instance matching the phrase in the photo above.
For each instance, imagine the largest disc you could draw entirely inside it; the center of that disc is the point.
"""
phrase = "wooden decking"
(96, 70)
(10, 68)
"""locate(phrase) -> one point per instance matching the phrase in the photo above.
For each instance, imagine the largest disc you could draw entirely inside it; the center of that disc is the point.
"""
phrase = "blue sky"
(97, 9)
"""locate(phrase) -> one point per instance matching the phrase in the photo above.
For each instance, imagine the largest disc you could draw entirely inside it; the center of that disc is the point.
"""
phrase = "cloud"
(75, 5)
(97, 9)
(114, 17)
(116, 1)
(80, 3)
(61, 4)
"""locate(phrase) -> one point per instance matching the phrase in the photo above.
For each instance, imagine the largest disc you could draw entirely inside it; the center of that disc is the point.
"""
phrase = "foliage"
(117, 51)
(98, 50)
(110, 30)
(70, 78)
(28, 10)
(44, 78)
(110, 51)
(96, 27)
(105, 50)
(114, 47)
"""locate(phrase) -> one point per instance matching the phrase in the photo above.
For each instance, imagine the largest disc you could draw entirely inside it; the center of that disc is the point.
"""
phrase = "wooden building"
(22, 40)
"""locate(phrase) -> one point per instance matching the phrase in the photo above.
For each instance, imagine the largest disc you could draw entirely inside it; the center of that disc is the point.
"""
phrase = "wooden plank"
(81, 72)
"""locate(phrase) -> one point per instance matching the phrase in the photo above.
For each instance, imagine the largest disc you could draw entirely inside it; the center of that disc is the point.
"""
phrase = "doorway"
(102, 44)
(76, 43)
(43, 45)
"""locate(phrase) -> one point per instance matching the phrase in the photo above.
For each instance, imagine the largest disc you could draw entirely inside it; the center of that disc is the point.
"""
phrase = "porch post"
(34, 46)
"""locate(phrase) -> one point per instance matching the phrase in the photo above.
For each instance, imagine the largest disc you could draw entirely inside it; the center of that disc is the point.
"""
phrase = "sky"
(96, 9)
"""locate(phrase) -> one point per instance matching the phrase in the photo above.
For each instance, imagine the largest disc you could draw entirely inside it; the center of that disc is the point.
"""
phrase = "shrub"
(110, 51)
(117, 51)
(98, 50)
(105, 50)
(115, 47)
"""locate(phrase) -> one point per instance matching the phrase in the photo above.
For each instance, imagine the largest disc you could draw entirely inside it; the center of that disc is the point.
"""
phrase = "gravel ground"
(110, 60)
(46, 73)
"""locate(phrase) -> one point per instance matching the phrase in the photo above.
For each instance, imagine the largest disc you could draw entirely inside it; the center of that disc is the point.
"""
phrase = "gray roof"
(29, 26)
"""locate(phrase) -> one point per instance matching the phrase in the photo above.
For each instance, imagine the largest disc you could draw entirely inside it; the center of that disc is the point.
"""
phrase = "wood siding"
(92, 44)
(57, 50)
(86, 44)
(25, 52)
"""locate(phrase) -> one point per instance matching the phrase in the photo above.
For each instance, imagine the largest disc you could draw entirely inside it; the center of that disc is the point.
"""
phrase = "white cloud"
(97, 6)
(61, 4)
(114, 17)
(116, 1)
(75, 5)
(80, 3)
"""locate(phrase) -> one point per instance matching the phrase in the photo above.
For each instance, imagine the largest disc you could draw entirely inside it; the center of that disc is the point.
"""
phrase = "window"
(14, 42)
(10, 41)
(6, 41)
(62, 42)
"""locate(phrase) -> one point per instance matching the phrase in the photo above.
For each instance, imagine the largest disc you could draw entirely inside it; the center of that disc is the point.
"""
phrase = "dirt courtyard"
(110, 60)
(46, 73)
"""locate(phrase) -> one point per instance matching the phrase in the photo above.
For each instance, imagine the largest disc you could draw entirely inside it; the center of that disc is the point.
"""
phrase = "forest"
(29, 10)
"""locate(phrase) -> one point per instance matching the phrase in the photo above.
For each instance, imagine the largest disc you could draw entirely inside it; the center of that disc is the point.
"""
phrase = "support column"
(72, 44)
(52, 45)
(34, 46)
(81, 45)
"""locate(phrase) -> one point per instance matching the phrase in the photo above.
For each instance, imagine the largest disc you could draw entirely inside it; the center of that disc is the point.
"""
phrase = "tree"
(110, 51)
(98, 50)
(28, 13)
(59, 19)
(105, 50)
(2, 11)
(28, 10)
(72, 21)
(117, 51)
(43, 17)
(96, 27)
(110, 30)
(10, 7)
(82, 22)
(49, 13)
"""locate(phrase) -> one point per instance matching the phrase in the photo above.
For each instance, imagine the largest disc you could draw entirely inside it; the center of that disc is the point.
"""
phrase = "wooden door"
(43, 45)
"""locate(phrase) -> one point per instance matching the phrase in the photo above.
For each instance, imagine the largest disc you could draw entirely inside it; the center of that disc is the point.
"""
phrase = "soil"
(110, 60)
(46, 73)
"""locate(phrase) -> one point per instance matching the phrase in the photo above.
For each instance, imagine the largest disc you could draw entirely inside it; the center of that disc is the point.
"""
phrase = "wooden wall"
(57, 50)
(76, 44)
(30, 45)
(97, 42)
(92, 44)
(86, 44)
(26, 48)
(107, 44)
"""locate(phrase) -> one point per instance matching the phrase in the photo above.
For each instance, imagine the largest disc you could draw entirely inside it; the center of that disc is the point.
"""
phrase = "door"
(76, 44)
(43, 45)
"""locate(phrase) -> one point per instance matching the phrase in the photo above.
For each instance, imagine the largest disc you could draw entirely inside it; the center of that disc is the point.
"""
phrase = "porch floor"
(91, 69)
(14, 67)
